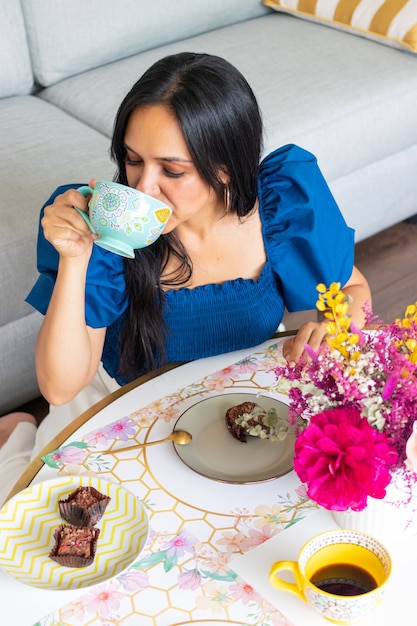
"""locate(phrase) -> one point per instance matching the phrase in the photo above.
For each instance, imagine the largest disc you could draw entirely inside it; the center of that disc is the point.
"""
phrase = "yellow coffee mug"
(342, 574)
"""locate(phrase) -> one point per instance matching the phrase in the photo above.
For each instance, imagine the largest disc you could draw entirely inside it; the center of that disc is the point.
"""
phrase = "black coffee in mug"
(344, 579)
(337, 572)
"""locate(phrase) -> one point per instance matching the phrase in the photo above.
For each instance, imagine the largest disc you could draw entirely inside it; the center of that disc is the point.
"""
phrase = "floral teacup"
(124, 218)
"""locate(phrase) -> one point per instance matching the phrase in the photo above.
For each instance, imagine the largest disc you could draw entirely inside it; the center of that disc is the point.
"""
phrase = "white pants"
(26, 441)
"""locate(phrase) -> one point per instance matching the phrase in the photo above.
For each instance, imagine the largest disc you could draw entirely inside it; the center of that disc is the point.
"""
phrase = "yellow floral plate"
(215, 453)
(28, 521)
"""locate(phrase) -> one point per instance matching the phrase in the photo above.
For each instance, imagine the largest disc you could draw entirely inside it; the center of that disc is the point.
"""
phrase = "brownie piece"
(251, 419)
(83, 507)
(75, 546)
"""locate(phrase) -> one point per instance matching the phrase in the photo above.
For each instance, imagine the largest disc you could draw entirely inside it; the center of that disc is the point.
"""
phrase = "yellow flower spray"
(334, 305)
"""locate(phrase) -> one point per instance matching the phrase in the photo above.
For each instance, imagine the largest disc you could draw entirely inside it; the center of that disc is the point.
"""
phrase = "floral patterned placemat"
(197, 525)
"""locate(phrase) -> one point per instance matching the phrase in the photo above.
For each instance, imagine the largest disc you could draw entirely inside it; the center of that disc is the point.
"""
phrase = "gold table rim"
(37, 464)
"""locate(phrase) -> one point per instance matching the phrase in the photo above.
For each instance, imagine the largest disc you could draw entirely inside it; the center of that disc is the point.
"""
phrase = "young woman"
(245, 240)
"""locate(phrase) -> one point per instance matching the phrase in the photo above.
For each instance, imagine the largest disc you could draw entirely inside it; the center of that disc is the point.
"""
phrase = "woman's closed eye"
(133, 161)
(172, 174)
(167, 172)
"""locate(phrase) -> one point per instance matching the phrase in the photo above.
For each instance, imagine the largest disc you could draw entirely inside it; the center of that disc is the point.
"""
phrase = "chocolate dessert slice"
(75, 546)
(84, 506)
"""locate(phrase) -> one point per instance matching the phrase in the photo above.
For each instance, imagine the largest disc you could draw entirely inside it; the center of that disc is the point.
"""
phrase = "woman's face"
(159, 164)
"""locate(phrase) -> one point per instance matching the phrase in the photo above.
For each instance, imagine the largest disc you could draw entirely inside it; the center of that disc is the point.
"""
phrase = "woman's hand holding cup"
(64, 228)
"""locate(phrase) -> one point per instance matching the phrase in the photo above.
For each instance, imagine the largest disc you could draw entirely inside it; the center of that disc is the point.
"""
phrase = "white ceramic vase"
(390, 520)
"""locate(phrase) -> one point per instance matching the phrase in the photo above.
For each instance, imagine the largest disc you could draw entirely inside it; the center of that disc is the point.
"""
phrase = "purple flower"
(180, 545)
(121, 429)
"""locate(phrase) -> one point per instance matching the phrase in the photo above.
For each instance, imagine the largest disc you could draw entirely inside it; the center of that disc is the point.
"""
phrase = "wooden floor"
(389, 262)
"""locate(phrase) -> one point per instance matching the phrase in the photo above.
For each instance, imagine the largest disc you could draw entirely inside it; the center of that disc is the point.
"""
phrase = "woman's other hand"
(311, 333)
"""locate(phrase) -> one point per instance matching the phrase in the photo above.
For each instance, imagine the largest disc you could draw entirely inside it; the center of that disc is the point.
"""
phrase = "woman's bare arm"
(68, 352)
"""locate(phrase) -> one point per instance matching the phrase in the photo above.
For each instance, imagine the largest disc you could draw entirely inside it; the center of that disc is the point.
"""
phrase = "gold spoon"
(181, 437)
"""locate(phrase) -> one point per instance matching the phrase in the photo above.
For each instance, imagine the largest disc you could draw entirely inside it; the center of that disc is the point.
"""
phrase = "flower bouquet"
(354, 403)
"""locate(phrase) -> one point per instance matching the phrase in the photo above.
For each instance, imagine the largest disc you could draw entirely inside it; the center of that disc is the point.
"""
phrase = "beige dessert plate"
(215, 453)
(28, 521)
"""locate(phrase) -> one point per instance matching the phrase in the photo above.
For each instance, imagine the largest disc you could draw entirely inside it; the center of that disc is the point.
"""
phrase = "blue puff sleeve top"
(306, 241)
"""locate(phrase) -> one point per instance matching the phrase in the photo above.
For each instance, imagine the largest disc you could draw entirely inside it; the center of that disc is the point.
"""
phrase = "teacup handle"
(279, 583)
(86, 191)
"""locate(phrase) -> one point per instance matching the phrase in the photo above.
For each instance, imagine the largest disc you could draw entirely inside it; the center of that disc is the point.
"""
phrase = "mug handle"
(86, 191)
(279, 583)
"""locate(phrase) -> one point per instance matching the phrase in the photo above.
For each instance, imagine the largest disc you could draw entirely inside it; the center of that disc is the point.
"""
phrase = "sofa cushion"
(367, 118)
(66, 38)
(15, 69)
(392, 22)
(311, 106)
(45, 148)
(17, 364)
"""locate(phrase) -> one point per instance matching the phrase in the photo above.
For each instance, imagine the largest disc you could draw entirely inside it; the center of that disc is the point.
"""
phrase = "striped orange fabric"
(345, 10)
(393, 22)
(410, 38)
(385, 14)
(307, 6)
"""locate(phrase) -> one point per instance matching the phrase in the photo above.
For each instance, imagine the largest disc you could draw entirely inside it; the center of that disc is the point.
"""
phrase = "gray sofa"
(65, 66)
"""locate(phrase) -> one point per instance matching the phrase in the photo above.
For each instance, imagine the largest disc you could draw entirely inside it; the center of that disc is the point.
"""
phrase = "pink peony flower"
(69, 455)
(134, 580)
(105, 599)
(257, 537)
(343, 460)
(244, 592)
(189, 579)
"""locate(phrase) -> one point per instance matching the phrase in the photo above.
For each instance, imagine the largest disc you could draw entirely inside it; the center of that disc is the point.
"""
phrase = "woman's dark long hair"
(222, 127)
